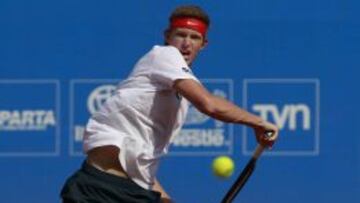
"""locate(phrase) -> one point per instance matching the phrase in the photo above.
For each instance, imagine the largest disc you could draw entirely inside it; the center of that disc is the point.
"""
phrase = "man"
(126, 138)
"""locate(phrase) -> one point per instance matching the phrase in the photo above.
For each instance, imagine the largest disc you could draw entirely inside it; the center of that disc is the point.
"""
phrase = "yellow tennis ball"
(223, 166)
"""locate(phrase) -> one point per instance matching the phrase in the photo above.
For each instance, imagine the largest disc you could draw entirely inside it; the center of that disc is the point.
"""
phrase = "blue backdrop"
(292, 62)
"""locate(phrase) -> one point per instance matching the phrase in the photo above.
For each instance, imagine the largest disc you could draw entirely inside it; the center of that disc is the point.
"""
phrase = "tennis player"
(125, 140)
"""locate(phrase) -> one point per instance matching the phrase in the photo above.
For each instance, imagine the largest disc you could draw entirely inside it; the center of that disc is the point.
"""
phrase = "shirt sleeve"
(169, 65)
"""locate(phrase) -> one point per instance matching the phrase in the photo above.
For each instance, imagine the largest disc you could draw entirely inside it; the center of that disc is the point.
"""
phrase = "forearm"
(215, 106)
(226, 111)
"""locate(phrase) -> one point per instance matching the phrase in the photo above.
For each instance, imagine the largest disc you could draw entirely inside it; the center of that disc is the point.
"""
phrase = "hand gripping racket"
(245, 173)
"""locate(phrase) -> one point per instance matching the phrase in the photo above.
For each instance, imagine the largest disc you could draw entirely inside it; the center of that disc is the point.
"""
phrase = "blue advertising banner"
(86, 97)
(29, 122)
(202, 135)
(293, 105)
(294, 63)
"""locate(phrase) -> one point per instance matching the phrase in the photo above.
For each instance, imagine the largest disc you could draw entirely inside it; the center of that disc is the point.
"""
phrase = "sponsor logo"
(287, 117)
(292, 105)
(29, 118)
(98, 96)
(95, 101)
(186, 70)
(86, 98)
(26, 119)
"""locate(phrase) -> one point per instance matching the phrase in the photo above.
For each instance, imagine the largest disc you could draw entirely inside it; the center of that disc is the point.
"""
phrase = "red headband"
(191, 23)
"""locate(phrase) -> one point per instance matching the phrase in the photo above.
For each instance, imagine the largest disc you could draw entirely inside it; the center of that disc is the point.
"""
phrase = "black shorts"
(90, 185)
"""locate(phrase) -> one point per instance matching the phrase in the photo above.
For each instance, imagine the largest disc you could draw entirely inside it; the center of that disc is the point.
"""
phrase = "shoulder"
(164, 57)
(165, 52)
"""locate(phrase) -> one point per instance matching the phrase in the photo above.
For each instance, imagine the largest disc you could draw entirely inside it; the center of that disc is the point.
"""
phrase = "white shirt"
(143, 115)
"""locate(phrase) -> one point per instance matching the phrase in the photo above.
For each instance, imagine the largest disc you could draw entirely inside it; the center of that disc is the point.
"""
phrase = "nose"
(186, 42)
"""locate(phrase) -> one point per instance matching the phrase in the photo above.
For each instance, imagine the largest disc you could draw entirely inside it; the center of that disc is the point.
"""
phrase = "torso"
(106, 159)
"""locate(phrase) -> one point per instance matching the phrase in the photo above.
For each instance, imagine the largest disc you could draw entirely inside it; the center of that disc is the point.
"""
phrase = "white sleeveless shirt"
(143, 115)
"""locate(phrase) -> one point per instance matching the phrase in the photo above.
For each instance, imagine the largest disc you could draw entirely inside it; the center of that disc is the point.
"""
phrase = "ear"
(166, 36)
(205, 43)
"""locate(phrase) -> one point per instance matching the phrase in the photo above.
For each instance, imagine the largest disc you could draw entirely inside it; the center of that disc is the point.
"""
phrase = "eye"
(196, 37)
(180, 34)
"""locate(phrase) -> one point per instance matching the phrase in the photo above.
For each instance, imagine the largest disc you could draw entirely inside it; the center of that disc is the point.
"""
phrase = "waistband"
(115, 180)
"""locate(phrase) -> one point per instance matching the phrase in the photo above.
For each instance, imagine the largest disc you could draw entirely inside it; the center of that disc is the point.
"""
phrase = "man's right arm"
(221, 109)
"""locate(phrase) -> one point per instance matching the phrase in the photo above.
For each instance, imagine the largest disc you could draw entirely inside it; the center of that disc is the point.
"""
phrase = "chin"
(188, 60)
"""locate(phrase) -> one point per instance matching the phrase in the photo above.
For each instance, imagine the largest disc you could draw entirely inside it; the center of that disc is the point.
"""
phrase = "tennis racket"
(245, 173)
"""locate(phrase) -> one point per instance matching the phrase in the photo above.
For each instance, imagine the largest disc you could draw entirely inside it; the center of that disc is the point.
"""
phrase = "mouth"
(186, 54)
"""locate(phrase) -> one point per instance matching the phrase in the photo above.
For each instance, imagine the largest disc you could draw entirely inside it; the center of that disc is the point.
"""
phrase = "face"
(189, 42)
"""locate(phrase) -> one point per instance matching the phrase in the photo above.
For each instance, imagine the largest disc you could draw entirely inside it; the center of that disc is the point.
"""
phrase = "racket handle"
(259, 149)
